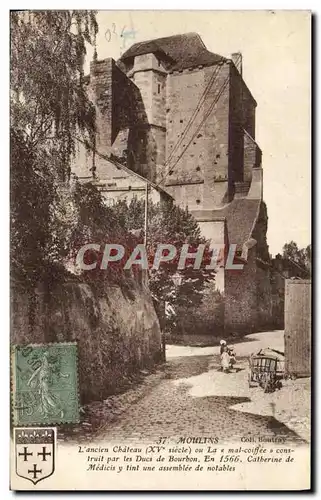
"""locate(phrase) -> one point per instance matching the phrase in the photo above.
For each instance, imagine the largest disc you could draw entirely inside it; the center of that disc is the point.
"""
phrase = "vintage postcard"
(160, 250)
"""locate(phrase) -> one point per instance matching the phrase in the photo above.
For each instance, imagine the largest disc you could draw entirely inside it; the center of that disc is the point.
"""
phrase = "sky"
(276, 67)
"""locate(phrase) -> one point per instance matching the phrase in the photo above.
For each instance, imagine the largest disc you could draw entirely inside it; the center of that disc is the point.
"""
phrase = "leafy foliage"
(31, 198)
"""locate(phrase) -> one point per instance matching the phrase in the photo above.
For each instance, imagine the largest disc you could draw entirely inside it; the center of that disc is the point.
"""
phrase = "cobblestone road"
(170, 410)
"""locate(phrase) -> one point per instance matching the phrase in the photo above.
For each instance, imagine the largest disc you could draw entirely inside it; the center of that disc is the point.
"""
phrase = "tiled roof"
(181, 51)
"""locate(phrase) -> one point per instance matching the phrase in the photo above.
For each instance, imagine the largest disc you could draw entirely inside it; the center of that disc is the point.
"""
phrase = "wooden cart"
(266, 369)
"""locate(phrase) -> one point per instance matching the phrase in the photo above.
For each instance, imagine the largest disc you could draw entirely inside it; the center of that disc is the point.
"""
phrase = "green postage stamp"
(45, 384)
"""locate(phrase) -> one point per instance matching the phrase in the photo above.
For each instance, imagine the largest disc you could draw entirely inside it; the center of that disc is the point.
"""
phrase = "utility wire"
(221, 90)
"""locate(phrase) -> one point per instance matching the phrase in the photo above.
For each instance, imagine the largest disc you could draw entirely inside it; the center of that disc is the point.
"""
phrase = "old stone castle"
(183, 118)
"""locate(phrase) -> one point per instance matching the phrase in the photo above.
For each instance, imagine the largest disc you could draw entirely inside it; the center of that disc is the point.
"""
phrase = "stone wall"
(150, 78)
(196, 127)
(118, 332)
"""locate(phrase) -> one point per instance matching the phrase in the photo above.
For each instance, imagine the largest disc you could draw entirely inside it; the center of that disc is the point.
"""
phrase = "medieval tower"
(183, 117)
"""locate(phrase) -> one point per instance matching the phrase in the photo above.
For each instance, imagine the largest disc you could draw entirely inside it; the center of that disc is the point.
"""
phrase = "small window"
(198, 201)
(158, 88)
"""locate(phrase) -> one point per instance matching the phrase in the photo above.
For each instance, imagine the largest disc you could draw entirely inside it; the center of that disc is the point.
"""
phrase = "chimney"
(237, 60)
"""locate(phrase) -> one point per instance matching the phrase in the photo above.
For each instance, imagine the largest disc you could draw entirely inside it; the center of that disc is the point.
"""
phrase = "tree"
(300, 258)
(207, 318)
(49, 108)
